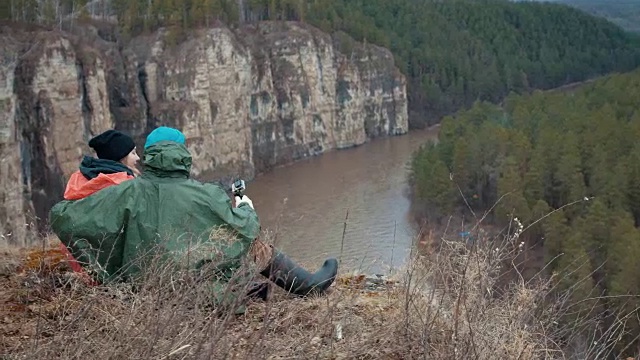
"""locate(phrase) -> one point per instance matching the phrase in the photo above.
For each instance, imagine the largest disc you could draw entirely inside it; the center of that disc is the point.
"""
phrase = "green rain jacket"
(110, 230)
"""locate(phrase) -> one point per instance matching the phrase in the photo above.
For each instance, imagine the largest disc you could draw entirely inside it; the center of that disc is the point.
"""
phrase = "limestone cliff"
(51, 100)
(247, 99)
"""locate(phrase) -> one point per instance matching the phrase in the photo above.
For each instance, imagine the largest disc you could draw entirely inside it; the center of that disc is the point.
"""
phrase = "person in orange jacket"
(116, 162)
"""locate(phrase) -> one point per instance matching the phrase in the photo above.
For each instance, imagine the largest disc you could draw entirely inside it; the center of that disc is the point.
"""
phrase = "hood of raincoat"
(167, 159)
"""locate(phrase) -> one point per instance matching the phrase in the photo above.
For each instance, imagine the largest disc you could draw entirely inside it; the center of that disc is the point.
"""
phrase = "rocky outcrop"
(51, 101)
(269, 94)
(12, 206)
(247, 99)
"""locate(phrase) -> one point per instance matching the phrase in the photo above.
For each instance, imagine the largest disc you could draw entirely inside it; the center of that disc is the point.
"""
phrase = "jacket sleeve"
(92, 228)
(242, 219)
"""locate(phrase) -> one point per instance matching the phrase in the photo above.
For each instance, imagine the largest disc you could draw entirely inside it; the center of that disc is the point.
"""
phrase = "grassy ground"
(443, 306)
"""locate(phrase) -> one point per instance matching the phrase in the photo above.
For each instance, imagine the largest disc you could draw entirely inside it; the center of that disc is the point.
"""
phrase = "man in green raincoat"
(111, 230)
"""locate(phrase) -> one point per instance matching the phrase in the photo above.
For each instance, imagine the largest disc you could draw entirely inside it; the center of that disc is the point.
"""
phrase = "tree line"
(453, 52)
(624, 13)
(567, 165)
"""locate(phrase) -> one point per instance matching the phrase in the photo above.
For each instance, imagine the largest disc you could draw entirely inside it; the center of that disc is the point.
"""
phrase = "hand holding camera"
(237, 188)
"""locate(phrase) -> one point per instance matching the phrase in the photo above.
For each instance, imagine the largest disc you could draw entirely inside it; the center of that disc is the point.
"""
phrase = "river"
(304, 205)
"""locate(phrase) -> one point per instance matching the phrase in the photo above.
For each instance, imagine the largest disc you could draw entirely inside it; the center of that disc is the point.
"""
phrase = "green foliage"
(453, 52)
(51, 12)
(459, 51)
(624, 13)
(576, 152)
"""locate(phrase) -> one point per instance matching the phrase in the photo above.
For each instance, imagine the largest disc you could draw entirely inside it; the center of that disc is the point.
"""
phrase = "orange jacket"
(80, 187)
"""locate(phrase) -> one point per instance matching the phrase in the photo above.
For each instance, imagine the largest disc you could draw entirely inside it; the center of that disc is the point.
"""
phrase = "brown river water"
(304, 205)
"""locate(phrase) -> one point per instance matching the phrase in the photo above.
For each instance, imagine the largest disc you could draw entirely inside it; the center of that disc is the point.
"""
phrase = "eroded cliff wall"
(247, 99)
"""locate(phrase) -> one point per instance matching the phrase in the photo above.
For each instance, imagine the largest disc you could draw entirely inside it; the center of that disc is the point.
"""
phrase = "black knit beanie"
(112, 145)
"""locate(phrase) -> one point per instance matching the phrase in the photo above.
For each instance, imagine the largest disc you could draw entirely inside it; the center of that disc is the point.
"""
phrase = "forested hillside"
(577, 153)
(453, 52)
(624, 13)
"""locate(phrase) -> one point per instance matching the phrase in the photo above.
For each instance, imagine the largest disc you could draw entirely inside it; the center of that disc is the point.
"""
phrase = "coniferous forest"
(452, 52)
(567, 165)
(624, 13)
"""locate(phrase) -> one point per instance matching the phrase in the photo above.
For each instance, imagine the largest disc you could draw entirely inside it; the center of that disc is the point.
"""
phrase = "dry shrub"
(443, 306)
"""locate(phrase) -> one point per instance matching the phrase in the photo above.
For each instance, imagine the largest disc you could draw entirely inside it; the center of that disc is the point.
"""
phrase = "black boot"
(296, 280)
(258, 291)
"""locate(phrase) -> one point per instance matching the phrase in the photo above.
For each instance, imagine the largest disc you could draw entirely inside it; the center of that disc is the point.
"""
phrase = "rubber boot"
(259, 290)
(288, 275)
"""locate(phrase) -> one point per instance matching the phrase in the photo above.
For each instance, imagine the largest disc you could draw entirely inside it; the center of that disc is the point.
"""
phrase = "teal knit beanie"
(164, 133)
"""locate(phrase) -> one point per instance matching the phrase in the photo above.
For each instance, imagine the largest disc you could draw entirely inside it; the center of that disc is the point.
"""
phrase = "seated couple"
(107, 228)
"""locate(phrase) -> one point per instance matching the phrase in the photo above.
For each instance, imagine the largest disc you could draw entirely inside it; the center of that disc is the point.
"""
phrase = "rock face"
(12, 208)
(247, 99)
(50, 102)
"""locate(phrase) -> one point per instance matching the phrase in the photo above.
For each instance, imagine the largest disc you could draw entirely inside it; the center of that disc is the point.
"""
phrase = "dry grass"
(440, 307)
